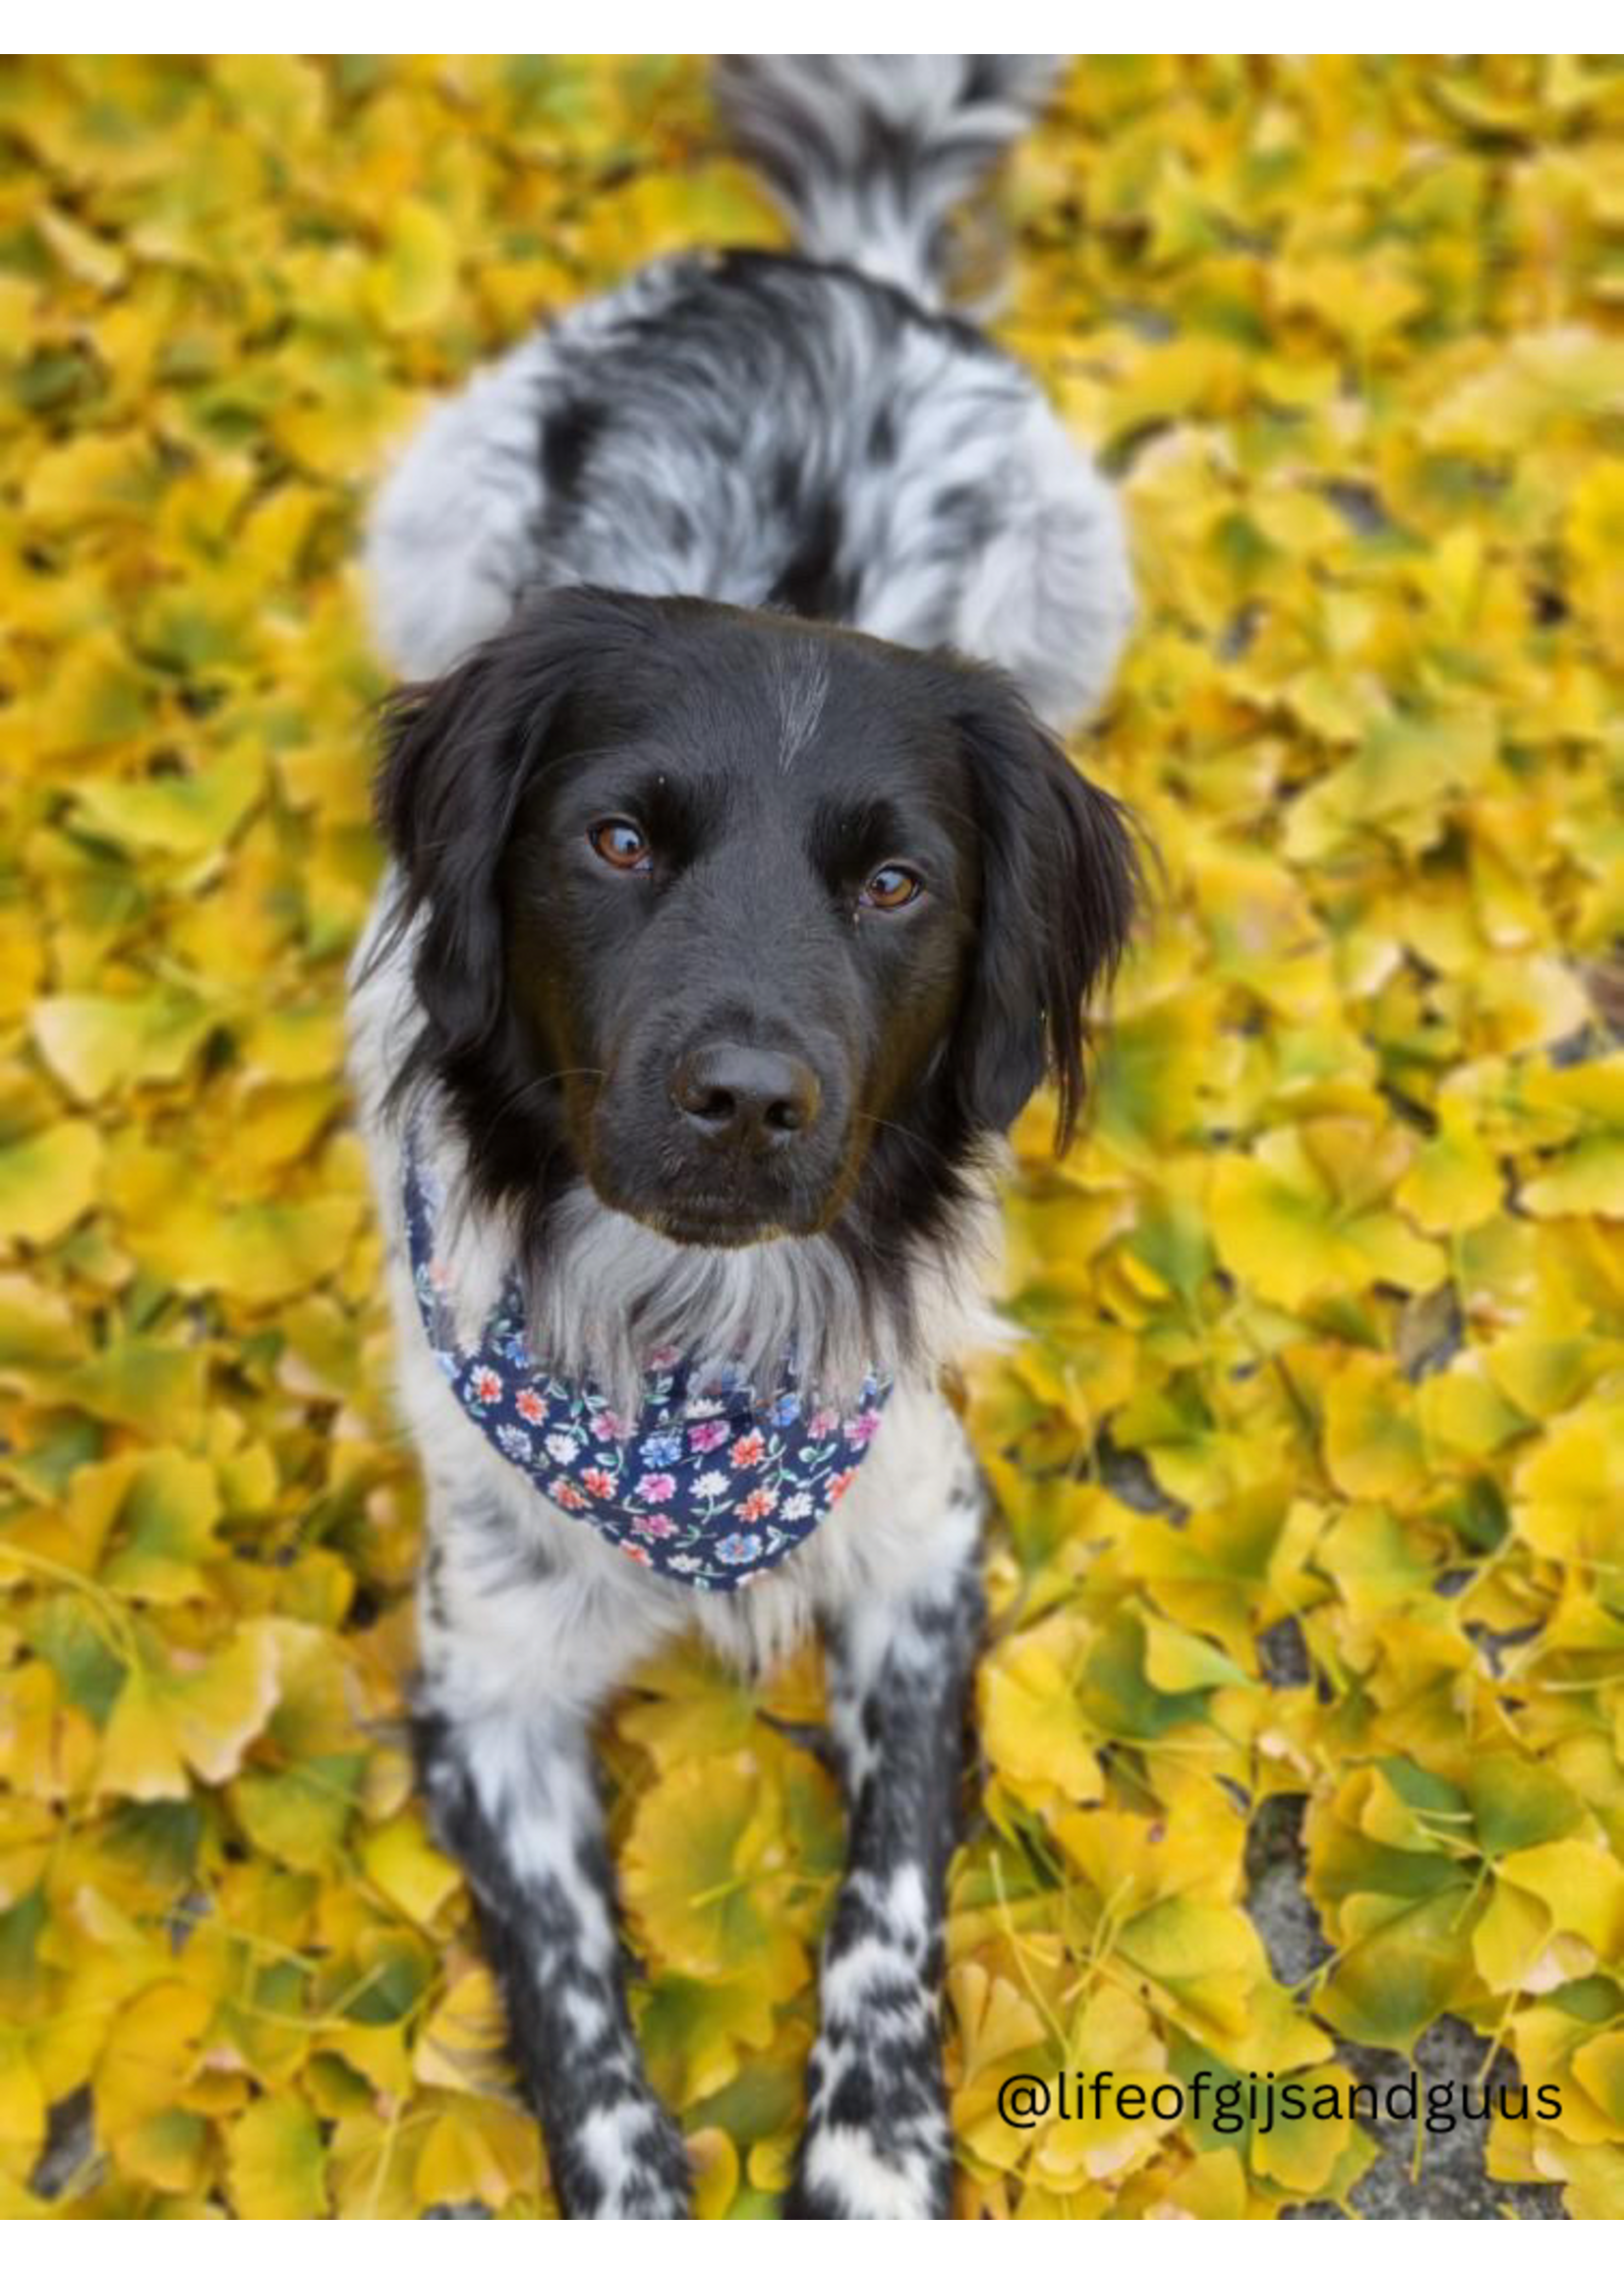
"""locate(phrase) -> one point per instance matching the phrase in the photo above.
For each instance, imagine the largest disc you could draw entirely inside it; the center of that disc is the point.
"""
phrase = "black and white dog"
(740, 897)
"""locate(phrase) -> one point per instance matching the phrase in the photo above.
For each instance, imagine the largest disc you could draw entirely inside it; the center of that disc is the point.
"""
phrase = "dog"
(739, 896)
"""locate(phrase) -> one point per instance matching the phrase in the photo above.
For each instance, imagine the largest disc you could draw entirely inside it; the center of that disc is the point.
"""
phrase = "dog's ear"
(459, 755)
(1060, 885)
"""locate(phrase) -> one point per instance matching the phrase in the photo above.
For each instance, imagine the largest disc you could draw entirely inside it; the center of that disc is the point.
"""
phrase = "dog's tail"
(869, 154)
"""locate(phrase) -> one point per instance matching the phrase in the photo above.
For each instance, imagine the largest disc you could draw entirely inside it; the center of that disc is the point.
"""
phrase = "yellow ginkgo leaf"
(1300, 2152)
(277, 2162)
(413, 285)
(94, 1042)
(1595, 545)
(1177, 1659)
(704, 1870)
(475, 2151)
(403, 1862)
(1281, 1224)
(165, 1528)
(715, 2162)
(1600, 2068)
(1372, 1444)
(185, 814)
(171, 1718)
(153, 2049)
(140, 1753)
(1034, 1727)
(463, 2045)
(21, 2102)
(1580, 1884)
(1569, 1488)
(994, 2016)
(1454, 1179)
(47, 1180)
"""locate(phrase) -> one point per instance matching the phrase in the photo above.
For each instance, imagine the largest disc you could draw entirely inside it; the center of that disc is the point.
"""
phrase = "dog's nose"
(758, 1099)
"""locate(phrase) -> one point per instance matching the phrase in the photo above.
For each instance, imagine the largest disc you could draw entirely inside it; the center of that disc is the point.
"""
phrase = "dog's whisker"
(530, 1089)
(914, 1137)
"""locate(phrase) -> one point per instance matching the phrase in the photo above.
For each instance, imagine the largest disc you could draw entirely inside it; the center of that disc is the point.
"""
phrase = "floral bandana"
(708, 1483)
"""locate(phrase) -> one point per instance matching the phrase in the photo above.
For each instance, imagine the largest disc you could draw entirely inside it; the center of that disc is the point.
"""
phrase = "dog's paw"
(847, 2172)
(624, 2161)
(877, 2143)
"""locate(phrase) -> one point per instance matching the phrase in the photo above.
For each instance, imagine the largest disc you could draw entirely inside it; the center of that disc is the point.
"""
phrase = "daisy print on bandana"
(709, 1482)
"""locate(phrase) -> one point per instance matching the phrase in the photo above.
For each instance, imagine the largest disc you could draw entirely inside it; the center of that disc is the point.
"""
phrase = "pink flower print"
(862, 1430)
(748, 1450)
(654, 1527)
(705, 1436)
(658, 1487)
(565, 1492)
(597, 1481)
(760, 1502)
(609, 1425)
(488, 1386)
(822, 1423)
(839, 1484)
(666, 1355)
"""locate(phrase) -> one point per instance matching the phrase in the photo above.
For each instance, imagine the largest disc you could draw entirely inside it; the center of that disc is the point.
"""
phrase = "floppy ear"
(1060, 885)
(459, 752)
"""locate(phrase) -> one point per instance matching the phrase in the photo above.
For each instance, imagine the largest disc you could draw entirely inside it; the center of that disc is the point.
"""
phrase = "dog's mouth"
(740, 1213)
(693, 1217)
(704, 1223)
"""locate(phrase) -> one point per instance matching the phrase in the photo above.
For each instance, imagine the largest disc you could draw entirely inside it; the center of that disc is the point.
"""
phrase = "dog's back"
(812, 434)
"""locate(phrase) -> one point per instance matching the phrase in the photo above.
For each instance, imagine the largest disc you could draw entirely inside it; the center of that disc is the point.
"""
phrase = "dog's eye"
(621, 843)
(891, 887)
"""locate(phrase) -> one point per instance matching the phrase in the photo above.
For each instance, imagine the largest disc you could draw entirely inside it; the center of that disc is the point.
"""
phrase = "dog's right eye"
(621, 843)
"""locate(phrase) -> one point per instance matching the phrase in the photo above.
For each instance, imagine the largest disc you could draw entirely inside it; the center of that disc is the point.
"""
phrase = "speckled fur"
(797, 435)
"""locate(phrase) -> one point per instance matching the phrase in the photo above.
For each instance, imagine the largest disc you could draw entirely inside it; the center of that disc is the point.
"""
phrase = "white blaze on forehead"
(800, 678)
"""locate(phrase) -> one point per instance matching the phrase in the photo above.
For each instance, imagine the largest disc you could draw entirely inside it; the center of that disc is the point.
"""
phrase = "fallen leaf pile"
(1311, 1466)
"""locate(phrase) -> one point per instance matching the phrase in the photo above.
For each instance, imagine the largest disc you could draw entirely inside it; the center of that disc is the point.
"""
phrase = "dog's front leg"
(513, 1794)
(877, 2142)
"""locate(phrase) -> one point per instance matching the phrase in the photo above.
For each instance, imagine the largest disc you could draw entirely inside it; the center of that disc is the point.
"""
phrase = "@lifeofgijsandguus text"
(1230, 2104)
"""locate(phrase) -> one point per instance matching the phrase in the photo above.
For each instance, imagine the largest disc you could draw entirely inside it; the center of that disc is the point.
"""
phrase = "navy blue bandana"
(708, 1483)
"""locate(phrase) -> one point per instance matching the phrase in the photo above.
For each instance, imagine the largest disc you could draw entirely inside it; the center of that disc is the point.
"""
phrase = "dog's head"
(738, 917)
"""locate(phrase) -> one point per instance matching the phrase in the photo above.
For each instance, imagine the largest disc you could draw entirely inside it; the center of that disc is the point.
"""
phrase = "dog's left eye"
(621, 843)
(891, 887)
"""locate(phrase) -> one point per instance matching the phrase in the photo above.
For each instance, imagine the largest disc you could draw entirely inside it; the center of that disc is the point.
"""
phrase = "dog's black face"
(756, 926)
(742, 920)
